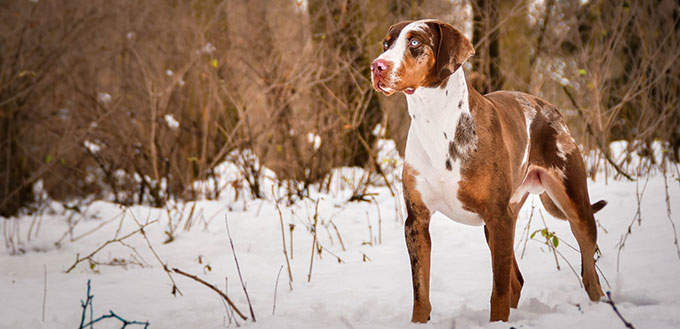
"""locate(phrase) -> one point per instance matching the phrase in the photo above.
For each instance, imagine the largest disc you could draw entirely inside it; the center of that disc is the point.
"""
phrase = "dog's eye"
(414, 43)
(385, 45)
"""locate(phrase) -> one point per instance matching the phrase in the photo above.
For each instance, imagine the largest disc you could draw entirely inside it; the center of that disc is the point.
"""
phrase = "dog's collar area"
(451, 94)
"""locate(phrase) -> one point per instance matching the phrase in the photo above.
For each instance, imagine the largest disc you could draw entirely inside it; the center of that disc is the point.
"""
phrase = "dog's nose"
(379, 65)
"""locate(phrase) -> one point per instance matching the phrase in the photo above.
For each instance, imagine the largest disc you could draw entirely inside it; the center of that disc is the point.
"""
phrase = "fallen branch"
(88, 304)
(214, 288)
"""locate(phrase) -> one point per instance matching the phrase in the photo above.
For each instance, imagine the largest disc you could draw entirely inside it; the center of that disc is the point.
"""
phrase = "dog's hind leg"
(570, 195)
(500, 231)
(516, 279)
(516, 283)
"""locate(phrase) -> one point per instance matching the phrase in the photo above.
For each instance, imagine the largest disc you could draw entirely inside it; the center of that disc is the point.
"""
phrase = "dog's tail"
(597, 206)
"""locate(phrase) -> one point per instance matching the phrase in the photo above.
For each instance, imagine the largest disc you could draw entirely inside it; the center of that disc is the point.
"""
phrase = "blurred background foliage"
(135, 100)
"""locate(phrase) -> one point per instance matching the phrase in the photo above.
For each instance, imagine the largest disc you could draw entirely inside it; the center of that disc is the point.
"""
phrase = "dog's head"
(419, 54)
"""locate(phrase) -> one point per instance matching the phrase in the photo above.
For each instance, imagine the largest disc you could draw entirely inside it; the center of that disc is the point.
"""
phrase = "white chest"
(434, 118)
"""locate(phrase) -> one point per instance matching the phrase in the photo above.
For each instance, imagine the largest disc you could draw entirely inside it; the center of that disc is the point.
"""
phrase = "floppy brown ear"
(453, 49)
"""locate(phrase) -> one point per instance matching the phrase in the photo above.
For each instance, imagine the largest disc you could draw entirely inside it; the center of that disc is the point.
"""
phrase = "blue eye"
(385, 45)
(414, 43)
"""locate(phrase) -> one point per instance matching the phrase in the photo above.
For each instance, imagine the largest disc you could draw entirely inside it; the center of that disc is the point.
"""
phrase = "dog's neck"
(434, 117)
(438, 101)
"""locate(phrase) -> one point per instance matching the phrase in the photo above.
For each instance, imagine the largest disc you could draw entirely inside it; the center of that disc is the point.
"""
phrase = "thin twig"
(330, 235)
(578, 278)
(175, 289)
(547, 237)
(118, 240)
(114, 316)
(214, 288)
(603, 276)
(238, 268)
(370, 230)
(668, 212)
(88, 304)
(311, 259)
(230, 311)
(338, 233)
(102, 224)
(276, 288)
(377, 205)
(291, 227)
(314, 241)
(616, 310)
(637, 217)
(528, 228)
(320, 246)
(44, 293)
(597, 138)
(285, 253)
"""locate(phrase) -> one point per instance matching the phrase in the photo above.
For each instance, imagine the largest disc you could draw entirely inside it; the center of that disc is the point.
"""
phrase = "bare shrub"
(129, 99)
(136, 102)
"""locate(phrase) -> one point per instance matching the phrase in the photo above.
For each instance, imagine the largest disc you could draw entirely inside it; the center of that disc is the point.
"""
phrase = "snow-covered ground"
(369, 288)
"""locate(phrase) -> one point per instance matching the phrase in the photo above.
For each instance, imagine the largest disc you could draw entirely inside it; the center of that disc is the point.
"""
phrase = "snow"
(171, 122)
(104, 98)
(371, 288)
(315, 140)
(91, 146)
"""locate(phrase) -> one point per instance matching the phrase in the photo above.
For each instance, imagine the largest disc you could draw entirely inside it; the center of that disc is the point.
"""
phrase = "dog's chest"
(429, 152)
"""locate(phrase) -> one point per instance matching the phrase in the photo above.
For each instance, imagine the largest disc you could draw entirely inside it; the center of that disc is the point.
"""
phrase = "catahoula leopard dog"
(475, 158)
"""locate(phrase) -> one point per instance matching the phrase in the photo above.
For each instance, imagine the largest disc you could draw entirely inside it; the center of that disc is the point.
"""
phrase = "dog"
(476, 158)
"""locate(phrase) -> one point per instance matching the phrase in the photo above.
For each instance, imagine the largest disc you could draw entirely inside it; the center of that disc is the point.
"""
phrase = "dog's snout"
(379, 65)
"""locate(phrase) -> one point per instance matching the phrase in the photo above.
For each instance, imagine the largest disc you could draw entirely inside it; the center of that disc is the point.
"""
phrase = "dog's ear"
(452, 51)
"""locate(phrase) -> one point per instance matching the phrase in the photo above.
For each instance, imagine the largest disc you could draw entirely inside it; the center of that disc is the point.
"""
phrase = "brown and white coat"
(476, 158)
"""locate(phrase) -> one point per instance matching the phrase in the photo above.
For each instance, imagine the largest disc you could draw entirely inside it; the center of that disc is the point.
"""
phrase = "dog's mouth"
(380, 86)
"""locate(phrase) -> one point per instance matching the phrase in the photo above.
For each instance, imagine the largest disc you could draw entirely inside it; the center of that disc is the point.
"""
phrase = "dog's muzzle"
(379, 69)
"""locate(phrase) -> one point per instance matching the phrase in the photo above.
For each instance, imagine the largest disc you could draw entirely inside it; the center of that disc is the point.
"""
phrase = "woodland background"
(133, 101)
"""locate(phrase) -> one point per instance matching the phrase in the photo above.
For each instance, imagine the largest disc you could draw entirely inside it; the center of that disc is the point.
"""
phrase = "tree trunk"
(485, 39)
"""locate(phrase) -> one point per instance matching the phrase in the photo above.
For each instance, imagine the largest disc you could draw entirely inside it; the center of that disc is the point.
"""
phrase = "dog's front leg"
(500, 235)
(419, 244)
(417, 231)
